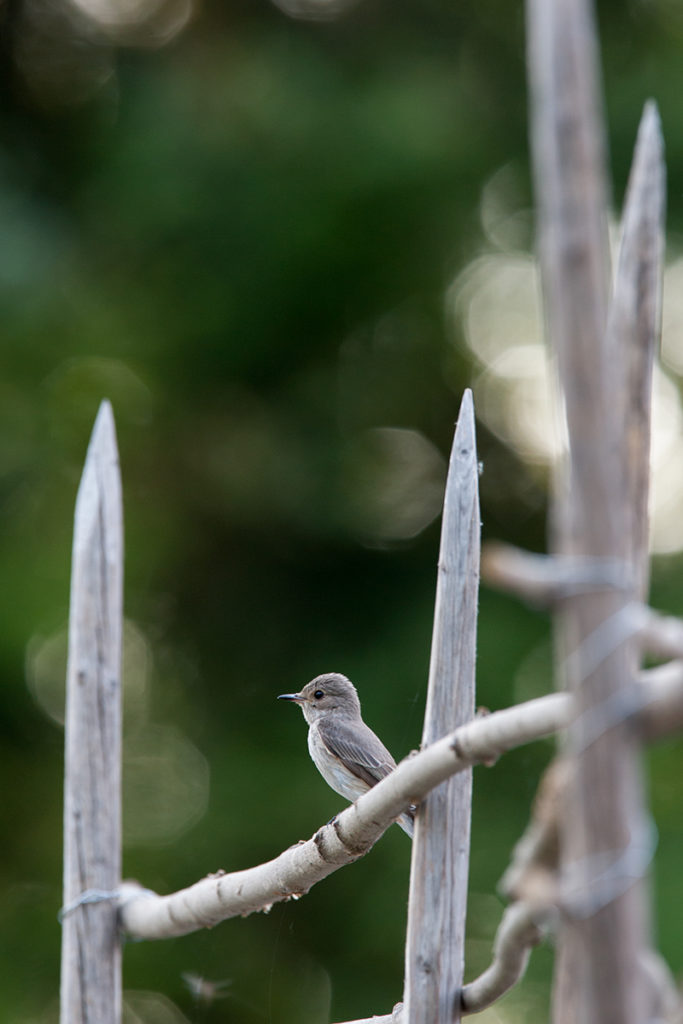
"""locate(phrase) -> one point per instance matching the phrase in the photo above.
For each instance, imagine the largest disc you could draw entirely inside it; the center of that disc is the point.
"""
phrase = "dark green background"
(214, 239)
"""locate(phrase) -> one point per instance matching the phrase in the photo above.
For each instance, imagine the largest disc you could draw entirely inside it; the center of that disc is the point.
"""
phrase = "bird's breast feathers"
(332, 768)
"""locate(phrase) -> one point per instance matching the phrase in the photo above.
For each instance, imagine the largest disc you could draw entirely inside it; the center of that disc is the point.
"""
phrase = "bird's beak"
(296, 697)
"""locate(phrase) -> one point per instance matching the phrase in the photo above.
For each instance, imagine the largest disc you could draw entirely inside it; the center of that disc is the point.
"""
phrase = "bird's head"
(328, 694)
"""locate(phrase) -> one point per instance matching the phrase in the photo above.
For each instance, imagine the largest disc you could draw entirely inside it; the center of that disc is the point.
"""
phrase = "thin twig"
(519, 931)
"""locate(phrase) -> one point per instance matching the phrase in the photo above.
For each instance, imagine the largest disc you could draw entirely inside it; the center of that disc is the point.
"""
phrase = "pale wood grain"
(604, 807)
(437, 904)
(91, 958)
(571, 192)
(634, 326)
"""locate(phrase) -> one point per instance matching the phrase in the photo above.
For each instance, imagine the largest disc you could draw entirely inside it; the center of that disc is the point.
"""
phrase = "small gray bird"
(348, 755)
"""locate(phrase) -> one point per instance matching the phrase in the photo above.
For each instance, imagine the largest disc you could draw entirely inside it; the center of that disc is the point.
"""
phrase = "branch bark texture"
(146, 915)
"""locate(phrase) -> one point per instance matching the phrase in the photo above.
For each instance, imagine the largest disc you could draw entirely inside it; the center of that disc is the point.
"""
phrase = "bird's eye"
(318, 694)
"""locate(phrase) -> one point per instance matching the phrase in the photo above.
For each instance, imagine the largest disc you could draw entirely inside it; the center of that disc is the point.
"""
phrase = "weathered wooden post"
(439, 869)
(604, 376)
(91, 957)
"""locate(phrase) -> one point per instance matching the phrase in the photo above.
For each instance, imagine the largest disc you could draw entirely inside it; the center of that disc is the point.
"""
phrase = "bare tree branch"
(662, 635)
(532, 872)
(665, 1003)
(661, 713)
(145, 915)
(519, 931)
(547, 579)
(532, 877)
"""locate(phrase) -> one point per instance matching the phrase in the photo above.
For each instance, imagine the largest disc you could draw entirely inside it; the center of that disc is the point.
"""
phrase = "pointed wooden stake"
(634, 323)
(440, 863)
(91, 958)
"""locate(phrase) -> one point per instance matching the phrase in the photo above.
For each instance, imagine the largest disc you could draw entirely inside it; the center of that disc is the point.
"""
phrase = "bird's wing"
(358, 748)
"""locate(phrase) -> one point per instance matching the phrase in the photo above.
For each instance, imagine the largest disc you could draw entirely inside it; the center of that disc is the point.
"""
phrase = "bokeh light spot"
(496, 301)
(46, 659)
(137, 22)
(76, 388)
(315, 10)
(672, 316)
(141, 1007)
(165, 785)
(396, 481)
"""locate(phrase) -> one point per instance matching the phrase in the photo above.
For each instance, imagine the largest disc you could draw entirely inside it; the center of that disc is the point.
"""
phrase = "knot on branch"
(333, 847)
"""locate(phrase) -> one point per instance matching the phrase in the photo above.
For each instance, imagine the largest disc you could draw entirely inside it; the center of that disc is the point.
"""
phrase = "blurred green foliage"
(243, 240)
